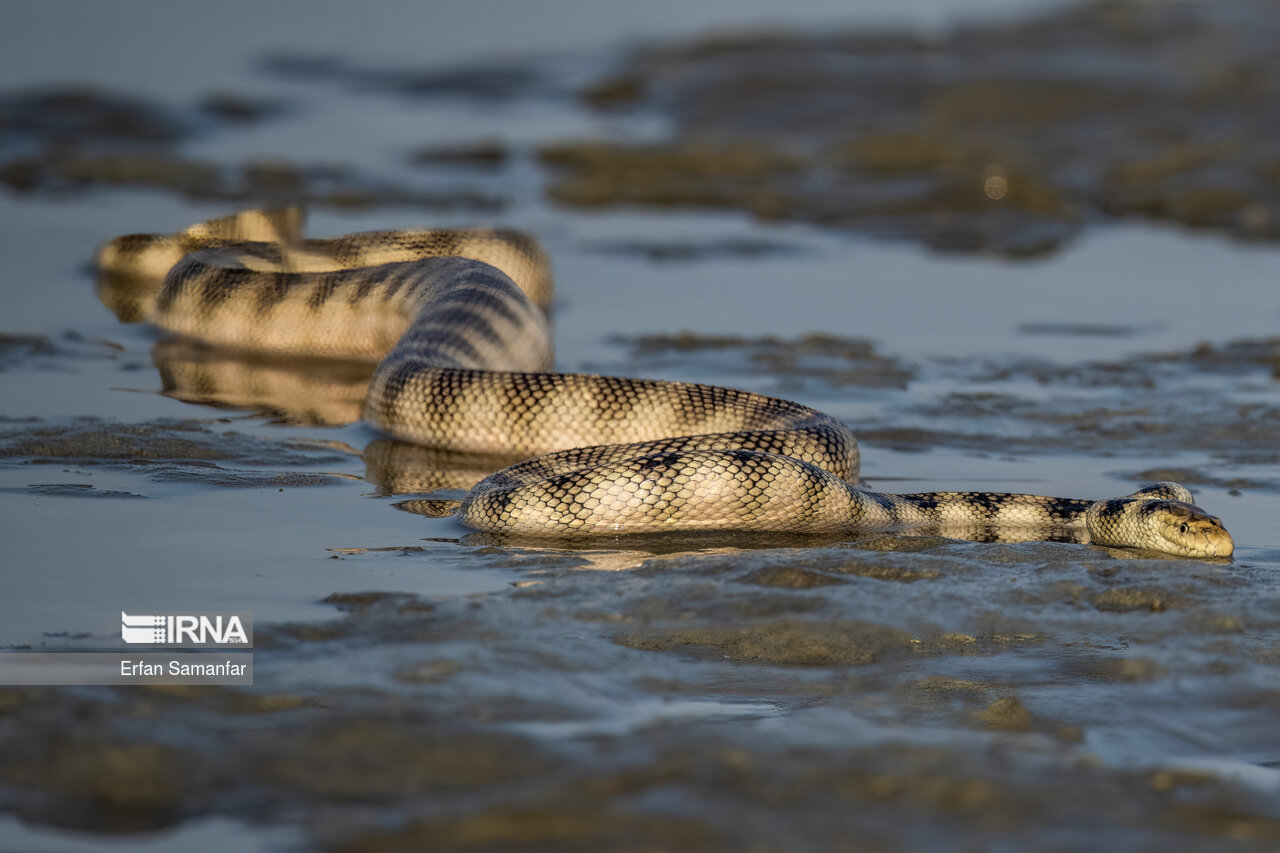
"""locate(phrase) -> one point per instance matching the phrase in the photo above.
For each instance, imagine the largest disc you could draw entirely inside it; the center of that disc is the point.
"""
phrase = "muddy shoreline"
(1032, 255)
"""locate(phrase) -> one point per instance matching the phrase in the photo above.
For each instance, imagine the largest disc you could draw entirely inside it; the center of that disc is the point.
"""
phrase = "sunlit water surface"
(71, 561)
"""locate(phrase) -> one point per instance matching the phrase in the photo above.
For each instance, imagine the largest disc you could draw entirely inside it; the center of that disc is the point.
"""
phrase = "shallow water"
(416, 685)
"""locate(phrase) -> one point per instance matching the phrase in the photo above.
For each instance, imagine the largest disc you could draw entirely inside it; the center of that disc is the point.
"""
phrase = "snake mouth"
(1192, 533)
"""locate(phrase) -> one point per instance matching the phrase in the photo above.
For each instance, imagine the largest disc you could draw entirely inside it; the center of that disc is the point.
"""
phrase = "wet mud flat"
(897, 692)
(1000, 139)
(872, 692)
(894, 693)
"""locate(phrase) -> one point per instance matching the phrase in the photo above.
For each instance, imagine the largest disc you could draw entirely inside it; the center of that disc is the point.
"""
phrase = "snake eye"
(1182, 527)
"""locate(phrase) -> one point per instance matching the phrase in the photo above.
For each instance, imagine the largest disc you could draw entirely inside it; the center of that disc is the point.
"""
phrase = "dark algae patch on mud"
(274, 182)
(831, 360)
(787, 642)
(1002, 138)
(59, 142)
(176, 451)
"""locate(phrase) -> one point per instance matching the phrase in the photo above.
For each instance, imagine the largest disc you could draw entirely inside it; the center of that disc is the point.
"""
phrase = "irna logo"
(188, 629)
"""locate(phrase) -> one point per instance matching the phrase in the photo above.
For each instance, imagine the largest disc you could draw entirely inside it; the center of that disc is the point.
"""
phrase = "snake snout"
(1193, 532)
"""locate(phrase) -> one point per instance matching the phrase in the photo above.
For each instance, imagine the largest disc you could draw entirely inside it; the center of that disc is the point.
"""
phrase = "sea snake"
(456, 321)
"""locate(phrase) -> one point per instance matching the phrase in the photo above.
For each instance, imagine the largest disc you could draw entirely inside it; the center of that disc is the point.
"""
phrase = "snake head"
(1188, 531)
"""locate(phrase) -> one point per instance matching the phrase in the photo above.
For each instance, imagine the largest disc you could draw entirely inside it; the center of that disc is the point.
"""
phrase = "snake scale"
(456, 321)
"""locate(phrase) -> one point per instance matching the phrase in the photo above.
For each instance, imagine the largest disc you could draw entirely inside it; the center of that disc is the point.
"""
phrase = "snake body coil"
(456, 322)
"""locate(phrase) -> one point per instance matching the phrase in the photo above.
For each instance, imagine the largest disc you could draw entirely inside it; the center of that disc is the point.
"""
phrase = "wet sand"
(716, 213)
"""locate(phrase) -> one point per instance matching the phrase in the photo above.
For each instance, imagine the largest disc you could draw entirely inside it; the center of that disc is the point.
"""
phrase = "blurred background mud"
(1019, 246)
